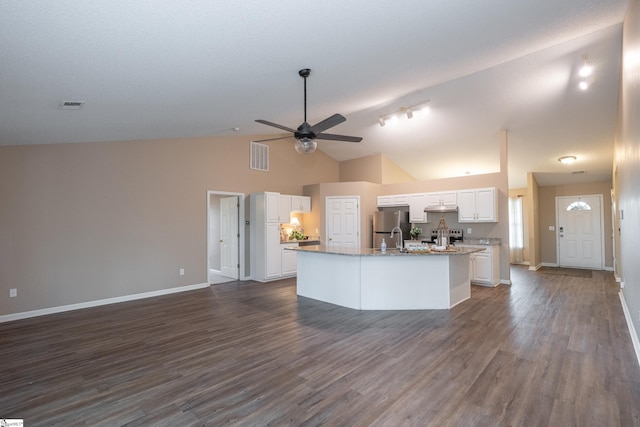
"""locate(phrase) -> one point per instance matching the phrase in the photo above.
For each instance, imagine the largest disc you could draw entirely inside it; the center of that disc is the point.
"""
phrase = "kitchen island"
(368, 279)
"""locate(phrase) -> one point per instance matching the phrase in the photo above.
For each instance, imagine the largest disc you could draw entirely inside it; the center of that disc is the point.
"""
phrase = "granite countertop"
(485, 241)
(309, 241)
(377, 252)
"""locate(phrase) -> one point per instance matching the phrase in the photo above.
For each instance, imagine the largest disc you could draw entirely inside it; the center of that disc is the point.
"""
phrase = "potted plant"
(415, 233)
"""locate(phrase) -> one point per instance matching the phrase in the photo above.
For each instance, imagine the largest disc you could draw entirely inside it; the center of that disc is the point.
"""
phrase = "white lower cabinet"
(272, 252)
(289, 259)
(484, 267)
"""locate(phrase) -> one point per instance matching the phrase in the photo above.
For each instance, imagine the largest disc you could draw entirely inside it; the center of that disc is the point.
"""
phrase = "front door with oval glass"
(580, 231)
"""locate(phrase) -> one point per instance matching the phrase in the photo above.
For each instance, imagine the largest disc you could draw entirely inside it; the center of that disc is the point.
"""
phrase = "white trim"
(632, 329)
(96, 303)
(547, 264)
(505, 282)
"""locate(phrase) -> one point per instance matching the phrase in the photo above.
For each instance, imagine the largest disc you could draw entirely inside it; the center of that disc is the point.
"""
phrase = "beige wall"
(363, 169)
(84, 222)
(547, 211)
(377, 169)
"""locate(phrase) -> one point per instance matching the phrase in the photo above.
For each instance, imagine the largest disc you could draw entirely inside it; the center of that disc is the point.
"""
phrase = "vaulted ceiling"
(151, 69)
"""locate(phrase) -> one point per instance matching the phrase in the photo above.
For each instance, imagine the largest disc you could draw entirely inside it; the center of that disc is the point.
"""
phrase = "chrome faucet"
(399, 243)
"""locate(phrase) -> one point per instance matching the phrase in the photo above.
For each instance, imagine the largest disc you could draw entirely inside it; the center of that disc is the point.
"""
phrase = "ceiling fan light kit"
(306, 134)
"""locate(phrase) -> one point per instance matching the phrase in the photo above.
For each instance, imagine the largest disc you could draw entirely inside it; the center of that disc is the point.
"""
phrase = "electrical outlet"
(13, 292)
(182, 271)
(469, 230)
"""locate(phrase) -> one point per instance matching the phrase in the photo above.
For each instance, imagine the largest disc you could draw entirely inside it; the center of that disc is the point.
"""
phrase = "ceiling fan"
(306, 134)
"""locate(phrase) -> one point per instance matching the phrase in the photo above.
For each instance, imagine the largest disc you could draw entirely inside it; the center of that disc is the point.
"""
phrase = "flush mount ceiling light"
(404, 111)
(567, 160)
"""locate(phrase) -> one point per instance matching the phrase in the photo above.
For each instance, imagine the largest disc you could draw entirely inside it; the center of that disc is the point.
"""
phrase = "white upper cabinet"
(395, 200)
(271, 207)
(301, 204)
(284, 211)
(478, 205)
(444, 198)
(417, 203)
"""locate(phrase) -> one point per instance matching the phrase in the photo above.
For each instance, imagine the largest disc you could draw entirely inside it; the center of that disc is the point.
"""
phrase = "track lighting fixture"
(585, 72)
(407, 111)
(586, 69)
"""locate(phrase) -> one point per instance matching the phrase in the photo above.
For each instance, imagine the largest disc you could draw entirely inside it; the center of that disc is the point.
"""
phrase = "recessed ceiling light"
(583, 85)
(567, 160)
(236, 129)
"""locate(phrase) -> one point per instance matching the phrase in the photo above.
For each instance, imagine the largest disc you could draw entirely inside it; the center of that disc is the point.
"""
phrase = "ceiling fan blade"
(274, 139)
(332, 137)
(327, 123)
(275, 125)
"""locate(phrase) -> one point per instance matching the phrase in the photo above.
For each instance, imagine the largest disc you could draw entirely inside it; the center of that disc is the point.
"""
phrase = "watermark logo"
(13, 422)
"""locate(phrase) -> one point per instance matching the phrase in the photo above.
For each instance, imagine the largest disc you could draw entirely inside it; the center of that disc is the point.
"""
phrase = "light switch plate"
(552, 228)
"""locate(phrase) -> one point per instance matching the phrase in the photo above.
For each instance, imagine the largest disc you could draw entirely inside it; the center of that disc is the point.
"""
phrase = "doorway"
(225, 248)
(343, 221)
(580, 231)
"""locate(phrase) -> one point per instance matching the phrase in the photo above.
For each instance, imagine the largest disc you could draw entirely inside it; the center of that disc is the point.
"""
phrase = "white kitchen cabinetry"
(484, 267)
(478, 205)
(284, 211)
(394, 200)
(266, 262)
(417, 203)
(271, 206)
(301, 204)
(289, 259)
(447, 199)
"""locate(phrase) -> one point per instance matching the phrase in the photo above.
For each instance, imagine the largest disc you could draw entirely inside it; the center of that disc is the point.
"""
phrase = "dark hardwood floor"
(548, 350)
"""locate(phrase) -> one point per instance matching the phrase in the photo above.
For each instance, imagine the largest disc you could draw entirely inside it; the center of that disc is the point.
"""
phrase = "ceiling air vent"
(259, 156)
(71, 105)
(577, 172)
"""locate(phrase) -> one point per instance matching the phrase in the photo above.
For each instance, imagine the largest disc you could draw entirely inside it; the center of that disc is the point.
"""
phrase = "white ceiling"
(150, 69)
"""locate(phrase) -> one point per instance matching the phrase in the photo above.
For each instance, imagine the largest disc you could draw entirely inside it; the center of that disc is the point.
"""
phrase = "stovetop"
(455, 235)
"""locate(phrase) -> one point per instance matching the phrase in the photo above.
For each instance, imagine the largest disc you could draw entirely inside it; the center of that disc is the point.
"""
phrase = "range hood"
(441, 209)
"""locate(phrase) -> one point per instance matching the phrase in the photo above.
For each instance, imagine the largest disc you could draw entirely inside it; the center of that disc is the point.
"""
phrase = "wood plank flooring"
(548, 350)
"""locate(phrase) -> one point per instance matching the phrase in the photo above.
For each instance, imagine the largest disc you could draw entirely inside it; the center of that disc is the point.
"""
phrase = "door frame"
(602, 243)
(241, 231)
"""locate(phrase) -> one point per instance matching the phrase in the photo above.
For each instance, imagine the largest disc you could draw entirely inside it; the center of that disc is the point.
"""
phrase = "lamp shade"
(305, 145)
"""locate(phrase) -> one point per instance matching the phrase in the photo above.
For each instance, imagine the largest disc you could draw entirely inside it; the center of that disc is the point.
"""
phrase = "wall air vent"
(259, 157)
(71, 105)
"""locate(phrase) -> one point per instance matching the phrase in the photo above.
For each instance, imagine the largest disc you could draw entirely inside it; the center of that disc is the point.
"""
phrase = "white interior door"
(343, 221)
(229, 237)
(580, 231)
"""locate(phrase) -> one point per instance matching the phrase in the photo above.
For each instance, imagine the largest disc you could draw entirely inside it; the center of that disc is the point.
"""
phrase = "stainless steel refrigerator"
(384, 222)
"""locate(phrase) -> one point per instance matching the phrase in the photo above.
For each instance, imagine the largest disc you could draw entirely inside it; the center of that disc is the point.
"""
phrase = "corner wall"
(627, 166)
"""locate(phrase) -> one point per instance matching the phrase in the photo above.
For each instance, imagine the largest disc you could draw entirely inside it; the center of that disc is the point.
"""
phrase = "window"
(516, 230)
(578, 206)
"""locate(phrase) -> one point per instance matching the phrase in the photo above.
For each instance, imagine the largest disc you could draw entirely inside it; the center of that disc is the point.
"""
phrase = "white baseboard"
(535, 267)
(505, 282)
(96, 303)
(632, 329)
